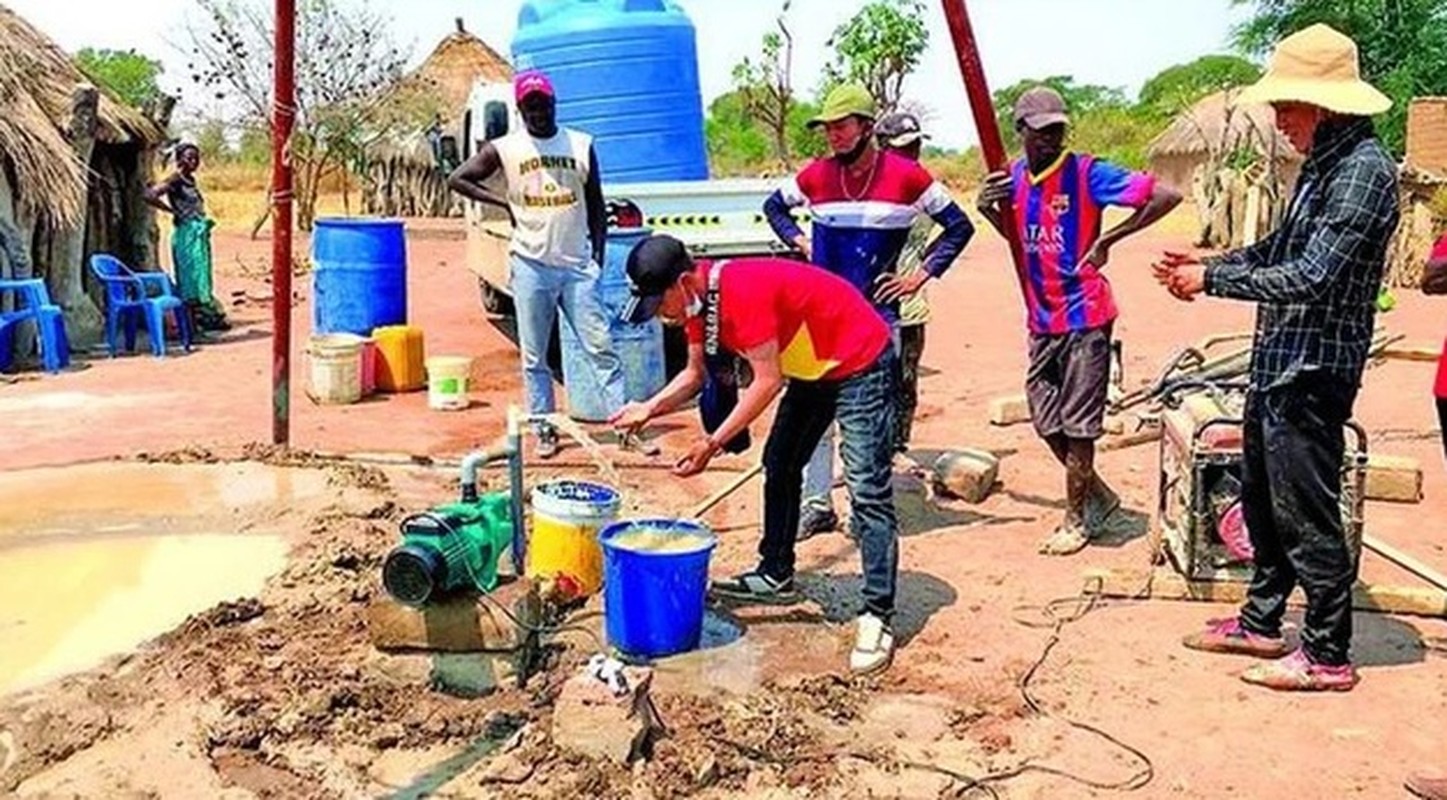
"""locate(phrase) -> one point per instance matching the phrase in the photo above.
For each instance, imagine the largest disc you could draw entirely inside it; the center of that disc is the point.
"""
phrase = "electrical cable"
(1054, 616)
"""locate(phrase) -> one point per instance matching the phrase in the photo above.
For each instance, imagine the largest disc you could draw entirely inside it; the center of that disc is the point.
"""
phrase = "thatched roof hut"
(1233, 162)
(403, 178)
(1211, 131)
(73, 165)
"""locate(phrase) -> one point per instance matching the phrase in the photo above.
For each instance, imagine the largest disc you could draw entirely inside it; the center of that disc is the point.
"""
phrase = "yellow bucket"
(567, 516)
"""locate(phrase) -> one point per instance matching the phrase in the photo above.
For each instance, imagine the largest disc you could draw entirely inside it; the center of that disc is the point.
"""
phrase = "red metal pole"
(283, 118)
(983, 107)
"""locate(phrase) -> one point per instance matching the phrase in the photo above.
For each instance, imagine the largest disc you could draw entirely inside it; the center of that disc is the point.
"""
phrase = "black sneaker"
(756, 587)
(813, 520)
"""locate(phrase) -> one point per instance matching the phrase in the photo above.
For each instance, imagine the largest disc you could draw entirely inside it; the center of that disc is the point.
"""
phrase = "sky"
(1118, 43)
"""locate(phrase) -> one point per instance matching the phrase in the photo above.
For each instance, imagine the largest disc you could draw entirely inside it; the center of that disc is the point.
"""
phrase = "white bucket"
(336, 368)
(447, 382)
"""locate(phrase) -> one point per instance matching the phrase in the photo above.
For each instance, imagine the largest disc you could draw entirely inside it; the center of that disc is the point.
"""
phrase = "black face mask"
(852, 155)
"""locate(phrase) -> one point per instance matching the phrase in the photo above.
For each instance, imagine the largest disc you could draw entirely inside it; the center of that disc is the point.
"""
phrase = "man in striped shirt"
(863, 202)
(1059, 198)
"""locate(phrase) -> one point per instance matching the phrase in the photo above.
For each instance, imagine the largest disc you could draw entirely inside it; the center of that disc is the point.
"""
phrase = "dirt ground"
(280, 696)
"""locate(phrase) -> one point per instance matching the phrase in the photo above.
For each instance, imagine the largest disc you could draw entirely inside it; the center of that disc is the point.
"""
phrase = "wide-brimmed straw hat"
(1317, 65)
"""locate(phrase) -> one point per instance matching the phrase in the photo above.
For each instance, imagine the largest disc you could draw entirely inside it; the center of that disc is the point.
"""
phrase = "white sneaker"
(873, 646)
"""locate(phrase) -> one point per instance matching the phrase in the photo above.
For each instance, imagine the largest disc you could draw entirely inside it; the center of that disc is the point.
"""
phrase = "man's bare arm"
(468, 180)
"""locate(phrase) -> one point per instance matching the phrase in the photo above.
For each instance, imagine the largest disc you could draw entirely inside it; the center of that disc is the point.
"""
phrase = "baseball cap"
(530, 81)
(843, 101)
(1040, 107)
(899, 129)
(654, 265)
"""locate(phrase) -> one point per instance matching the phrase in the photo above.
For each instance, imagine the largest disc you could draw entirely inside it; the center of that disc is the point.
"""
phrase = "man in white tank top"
(555, 198)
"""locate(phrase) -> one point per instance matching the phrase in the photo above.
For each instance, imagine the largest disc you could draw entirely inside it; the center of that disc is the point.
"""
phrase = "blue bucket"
(653, 602)
(360, 278)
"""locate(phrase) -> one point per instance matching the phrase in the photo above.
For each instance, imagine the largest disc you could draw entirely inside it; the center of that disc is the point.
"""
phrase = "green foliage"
(1178, 88)
(879, 47)
(1119, 134)
(737, 144)
(1403, 44)
(211, 138)
(765, 87)
(254, 147)
(128, 75)
(740, 144)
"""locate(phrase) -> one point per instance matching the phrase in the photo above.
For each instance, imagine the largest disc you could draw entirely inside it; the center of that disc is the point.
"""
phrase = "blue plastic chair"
(131, 294)
(33, 303)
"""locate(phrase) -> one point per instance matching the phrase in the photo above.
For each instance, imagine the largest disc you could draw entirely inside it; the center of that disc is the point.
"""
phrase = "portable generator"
(1199, 524)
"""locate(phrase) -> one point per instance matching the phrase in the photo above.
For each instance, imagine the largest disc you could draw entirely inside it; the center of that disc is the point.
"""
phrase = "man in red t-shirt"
(798, 324)
(1434, 281)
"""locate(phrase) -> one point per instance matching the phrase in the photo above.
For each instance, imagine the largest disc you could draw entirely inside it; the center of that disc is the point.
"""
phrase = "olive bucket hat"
(844, 101)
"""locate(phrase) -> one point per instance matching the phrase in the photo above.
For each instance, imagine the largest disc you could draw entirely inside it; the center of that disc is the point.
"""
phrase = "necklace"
(868, 180)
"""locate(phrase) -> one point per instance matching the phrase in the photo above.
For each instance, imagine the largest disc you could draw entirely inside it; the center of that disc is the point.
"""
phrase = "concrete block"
(969, 475)
(1010, 410)
(1393, 478)
(591, 721)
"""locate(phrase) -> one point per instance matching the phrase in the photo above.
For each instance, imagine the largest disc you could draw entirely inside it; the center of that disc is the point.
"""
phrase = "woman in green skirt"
(179, 196)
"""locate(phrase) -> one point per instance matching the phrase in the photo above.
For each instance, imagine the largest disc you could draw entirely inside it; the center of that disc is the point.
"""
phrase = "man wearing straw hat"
(1315, 280)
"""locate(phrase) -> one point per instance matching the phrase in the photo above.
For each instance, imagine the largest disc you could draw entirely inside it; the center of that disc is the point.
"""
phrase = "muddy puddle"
(98, 559)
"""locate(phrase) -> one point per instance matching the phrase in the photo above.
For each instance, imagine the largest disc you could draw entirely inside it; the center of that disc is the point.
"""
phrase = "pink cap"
(525, 83)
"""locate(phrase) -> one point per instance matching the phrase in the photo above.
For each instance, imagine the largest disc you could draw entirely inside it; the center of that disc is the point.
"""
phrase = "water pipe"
(512, 452)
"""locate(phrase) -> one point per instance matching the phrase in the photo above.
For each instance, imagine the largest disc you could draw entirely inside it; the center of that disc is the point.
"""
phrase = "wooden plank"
(1412, 353)
(1166, 584)
(1405, 561)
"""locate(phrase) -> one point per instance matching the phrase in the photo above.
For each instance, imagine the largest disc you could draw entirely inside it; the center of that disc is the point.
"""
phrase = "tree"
(1177, 88)
(879, 47)
(128, 75)
(348, 74)
(211, 139)
(1403, 44)
(739, 144)
(765, 85)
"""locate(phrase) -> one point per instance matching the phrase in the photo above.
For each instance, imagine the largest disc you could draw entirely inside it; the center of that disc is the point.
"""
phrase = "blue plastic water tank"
(626, 72)
(359, 275)
(639, 347)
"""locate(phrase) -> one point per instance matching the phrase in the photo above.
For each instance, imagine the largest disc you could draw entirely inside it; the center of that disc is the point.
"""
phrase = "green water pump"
(451, 547)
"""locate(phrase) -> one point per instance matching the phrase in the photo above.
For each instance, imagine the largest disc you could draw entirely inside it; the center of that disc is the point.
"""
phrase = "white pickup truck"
(715, 218)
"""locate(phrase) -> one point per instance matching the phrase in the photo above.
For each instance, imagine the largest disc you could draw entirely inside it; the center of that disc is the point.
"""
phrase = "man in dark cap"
(1059, 199)
(796, 323)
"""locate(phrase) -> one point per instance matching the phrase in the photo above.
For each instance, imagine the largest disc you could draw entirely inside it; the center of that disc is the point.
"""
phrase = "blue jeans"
(863, 406)
(538, 290)
(819, 472)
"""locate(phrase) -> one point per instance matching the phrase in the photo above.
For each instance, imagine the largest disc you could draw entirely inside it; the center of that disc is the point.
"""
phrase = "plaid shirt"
(1318, 275)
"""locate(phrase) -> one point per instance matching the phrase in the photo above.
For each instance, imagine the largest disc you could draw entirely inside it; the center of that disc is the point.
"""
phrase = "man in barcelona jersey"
(1058, 198)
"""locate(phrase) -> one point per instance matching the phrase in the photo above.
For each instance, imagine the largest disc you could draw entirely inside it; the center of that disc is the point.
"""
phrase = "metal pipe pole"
(283, 119)
(983, 107)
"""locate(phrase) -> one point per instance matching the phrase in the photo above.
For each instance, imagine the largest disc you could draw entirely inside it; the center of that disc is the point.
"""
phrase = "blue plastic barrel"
(653, 602)
(359, 275)
(639, 347)
(626, 72)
